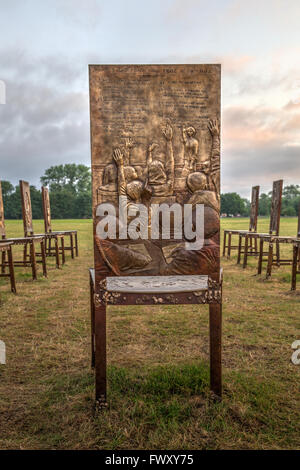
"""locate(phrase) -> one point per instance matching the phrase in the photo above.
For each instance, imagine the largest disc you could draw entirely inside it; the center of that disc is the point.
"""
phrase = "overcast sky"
(46, 47)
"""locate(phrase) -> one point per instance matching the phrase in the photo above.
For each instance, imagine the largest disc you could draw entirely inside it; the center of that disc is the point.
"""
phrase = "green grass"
(158, 372)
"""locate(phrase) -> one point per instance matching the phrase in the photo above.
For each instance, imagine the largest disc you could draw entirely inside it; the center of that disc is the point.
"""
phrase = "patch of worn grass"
(158, 360)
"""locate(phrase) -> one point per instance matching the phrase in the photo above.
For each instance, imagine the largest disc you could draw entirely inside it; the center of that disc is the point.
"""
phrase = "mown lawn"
(158, 363)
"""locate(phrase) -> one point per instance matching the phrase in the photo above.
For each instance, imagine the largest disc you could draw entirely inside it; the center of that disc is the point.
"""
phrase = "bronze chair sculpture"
(73, 247)
(277, 240)
(28, 226)
(27, 243)
(261, 237)
(137, 112)
(252, 227)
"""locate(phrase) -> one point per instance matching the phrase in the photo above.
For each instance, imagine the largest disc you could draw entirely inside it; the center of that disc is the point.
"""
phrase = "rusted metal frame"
(252, 249)
(92, 306)
(252, 228)
(101, 298)
(50, 232)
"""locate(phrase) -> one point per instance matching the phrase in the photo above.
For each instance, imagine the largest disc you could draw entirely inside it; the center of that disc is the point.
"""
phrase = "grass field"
(158, 363)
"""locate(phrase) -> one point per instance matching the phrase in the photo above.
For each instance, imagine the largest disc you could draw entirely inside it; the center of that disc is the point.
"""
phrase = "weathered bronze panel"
(155, 138)
(26, 208)
(254, 209)
(276, 207)
(46, 209)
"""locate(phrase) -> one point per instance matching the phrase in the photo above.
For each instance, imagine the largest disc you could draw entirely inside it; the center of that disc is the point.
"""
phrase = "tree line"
(70, 191)
(234, 204)
(71, 196)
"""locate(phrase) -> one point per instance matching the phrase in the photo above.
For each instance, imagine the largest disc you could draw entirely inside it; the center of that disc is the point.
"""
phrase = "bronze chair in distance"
(273, 230)
(252, 226)
(28, 226)
(73, 247)
(271, 240)
(26, 242)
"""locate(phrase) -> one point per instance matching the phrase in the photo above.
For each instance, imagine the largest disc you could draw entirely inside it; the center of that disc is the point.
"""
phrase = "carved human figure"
(205, 260)
(131, 194)
(161, 175)
(191, 146)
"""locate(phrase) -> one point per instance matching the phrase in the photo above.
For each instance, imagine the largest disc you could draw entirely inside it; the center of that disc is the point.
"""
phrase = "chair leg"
(57, 252)
(255, 246)
(224, 242)
(229, 245)
(76, 243)
(215, 335)
(277, 254)
(25, 254)
(48, 252)
(294, 267)
(260, 257)
(33, 260)
(270, 261)
(11, 271)
(100, 355)
(72, 245)
(63, 258)
(3, 260)
(239, 250)
(92, 323)
(245, 252)
(43, 253)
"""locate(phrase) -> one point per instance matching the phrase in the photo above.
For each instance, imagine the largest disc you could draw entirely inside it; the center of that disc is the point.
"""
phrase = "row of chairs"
(51, 243)
(251, 243)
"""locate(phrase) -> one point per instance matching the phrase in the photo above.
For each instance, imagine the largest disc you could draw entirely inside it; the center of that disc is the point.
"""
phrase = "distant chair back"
(46, 209)
(26, 208)
(276, 207)
(254, 209)
(2, 223)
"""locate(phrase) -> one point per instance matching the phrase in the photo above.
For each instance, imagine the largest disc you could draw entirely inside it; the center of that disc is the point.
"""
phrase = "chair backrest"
(26, 208)
(2, 223)
(276, 207)
(46, 209)
(155, 139)
(254, 209)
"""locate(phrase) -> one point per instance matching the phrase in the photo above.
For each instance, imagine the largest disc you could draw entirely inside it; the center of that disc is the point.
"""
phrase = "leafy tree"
(232, 203)
(69, 191)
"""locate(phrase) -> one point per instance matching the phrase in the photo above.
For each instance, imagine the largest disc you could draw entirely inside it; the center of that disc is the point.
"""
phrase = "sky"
(46, 46)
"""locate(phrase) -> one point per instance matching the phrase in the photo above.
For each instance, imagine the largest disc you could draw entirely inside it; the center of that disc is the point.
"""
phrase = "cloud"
(46, 118)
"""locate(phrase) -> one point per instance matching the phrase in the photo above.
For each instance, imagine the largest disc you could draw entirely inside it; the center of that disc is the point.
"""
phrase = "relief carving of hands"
(118, 157)
(214, 127)
(152, 147)
(167, 131)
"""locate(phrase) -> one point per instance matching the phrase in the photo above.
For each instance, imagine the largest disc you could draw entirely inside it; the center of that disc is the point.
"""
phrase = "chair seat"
(24, 239)
(237, 231)
(4, 245)
(156, 284)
